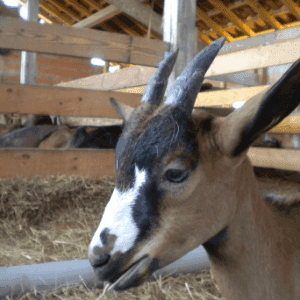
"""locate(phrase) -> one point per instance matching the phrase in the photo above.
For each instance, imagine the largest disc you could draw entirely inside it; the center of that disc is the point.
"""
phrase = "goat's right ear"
(261, 113)
(124, 111)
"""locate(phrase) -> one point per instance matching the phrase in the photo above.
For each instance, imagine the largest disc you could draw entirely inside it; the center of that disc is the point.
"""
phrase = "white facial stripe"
(118, 216)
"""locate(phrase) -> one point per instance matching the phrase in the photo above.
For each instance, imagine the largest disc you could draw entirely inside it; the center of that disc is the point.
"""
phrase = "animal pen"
(75, 99)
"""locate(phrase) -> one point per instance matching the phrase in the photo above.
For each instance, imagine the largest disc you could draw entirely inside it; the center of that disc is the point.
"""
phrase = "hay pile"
(54, 219)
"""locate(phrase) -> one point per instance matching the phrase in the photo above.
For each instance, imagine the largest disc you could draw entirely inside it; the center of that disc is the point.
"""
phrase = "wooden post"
(179, 30)
(28, 59)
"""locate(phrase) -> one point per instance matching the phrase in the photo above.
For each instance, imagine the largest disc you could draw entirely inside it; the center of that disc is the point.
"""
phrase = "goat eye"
(176, 176)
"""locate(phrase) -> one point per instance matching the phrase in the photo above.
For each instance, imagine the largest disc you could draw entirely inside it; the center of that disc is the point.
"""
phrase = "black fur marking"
(279, 102)
(145, 209)
(146, 148)
(216, 242)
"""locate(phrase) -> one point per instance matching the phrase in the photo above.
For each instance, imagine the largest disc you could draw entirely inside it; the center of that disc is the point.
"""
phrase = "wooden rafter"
(95, 5)
(127, 29)
(56, 13)
(64, 9)
(80, 7)
(135, 9)
(232, 17)
(98, 18)
(144, 29)
(204, 37)
(292, 6)
(215, 26)
(265, 15)
(108, 28)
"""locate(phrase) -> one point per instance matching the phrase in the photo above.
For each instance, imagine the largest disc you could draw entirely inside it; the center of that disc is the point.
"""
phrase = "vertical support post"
(262, 76)
(106, 66)
(28, 59)
(180, 31)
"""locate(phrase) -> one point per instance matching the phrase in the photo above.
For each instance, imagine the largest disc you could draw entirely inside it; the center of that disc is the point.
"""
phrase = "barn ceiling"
(234, 19)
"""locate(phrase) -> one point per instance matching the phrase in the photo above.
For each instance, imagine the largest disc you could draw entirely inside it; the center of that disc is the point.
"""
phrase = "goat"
(185, 180)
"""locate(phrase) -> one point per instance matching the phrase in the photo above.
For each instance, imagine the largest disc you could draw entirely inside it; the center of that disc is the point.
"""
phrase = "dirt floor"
(43, 220)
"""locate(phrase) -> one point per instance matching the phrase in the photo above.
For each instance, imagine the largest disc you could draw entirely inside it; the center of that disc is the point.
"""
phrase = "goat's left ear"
(124, 111)
(261, 113)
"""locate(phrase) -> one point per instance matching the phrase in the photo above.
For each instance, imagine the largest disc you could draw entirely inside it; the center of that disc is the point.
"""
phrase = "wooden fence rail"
(19, 34)
(31, 99)
(100, 163)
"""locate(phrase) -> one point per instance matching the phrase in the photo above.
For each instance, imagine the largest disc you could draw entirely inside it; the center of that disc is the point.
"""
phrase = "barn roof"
(234, 19)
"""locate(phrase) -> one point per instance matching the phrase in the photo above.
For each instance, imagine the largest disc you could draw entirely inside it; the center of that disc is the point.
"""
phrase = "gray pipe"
(17, 281)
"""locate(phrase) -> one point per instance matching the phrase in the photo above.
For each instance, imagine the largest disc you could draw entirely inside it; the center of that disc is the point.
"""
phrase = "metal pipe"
(19, 280)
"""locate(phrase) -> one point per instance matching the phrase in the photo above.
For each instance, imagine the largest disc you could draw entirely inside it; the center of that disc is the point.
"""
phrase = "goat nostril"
(98, 257)
(101, 261)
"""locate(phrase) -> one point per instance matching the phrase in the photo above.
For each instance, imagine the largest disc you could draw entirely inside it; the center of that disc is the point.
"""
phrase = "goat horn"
(187, 86)
(156, 87)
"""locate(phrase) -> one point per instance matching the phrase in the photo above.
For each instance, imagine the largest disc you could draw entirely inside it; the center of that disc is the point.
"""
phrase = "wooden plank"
(33, 162)
(98, 17)
(61, 40)
(99, 163)
(125, 78)
(267, 55)
(139, 12)
(95, 104)
(227, 97)
(275, 158)
(30, 99)
(259, 57)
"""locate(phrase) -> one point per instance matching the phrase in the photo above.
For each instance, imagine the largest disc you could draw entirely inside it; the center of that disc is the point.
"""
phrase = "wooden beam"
(86, 103)
(95, 5)
(232, 17)
(33, 162)
(265, 15)
(204, 37)
(80, 7)
(65, 9)
(265, 55)
(270, 54)
(215, 26)
(32, 99)
(127, 29)
(46, 7)
(275, 158)
(87, 43)
(99, 17)
(293, 7)
(125, 78)
(139, 12)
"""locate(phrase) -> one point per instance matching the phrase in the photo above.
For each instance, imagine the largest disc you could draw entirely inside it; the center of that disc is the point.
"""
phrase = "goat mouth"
(132, 277)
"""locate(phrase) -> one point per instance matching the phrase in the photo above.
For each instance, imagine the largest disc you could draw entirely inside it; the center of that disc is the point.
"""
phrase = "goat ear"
(261, 113)
(124, 111)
